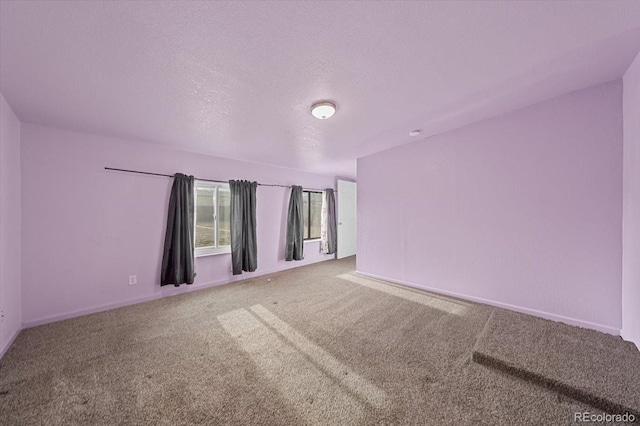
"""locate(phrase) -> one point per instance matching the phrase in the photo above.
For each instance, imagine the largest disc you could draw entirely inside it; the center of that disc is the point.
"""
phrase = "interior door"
(347, 227)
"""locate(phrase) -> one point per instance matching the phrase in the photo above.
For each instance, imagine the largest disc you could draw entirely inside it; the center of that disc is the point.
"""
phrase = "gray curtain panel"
(177, 260)
(295, 226)
(244, 248)
(332, 229)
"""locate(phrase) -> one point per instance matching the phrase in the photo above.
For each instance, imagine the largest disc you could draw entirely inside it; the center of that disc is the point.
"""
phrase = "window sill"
(315, 240)
(211, 252)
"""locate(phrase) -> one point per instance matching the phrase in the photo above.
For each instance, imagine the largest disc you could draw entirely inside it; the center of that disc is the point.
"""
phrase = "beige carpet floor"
(599, 369)
(312, 345)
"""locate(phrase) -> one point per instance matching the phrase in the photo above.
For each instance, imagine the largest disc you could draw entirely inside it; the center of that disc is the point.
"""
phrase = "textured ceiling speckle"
(236, 79)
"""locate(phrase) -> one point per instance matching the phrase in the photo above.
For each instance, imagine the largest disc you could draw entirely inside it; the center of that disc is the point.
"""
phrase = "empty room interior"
(319, 212)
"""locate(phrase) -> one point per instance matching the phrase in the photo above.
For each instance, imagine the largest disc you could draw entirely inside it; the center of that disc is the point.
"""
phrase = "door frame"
(342, 185)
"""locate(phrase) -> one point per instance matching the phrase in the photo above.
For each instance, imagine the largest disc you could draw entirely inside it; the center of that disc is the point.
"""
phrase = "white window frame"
(211, 250)
(312, 239)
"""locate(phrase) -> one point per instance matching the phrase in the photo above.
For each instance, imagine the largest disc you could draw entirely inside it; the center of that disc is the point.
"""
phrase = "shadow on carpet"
(592, 367)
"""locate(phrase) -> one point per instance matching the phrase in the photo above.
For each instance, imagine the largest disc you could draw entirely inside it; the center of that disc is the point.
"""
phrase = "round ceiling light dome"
(323, 110)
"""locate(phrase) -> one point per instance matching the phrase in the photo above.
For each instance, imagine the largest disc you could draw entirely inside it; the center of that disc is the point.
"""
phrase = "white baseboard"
(10, 342)
(170, 291)
(167, 291)
(628, 338)
(521, 309)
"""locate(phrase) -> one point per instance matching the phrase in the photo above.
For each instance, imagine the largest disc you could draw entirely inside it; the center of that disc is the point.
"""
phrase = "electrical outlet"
(133, 279)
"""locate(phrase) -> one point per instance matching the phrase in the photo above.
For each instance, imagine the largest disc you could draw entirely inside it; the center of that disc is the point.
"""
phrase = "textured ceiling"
(237, 79)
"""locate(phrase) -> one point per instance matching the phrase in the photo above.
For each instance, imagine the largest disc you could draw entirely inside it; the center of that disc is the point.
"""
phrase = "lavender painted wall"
(522, 210)
(10, 296)
(631, 205)
(85, 230)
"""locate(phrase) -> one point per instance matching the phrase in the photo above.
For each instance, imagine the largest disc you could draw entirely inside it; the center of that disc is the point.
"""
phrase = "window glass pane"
(205, 225)
(305, 208)
(224, 217)
(316, 213)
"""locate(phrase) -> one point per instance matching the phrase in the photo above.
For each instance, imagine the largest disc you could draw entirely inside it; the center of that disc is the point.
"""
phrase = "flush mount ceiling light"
(323, 110)
(414, 132)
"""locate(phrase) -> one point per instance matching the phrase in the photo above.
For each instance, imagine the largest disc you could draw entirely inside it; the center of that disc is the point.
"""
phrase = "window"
(312, 206)
(212, 221)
